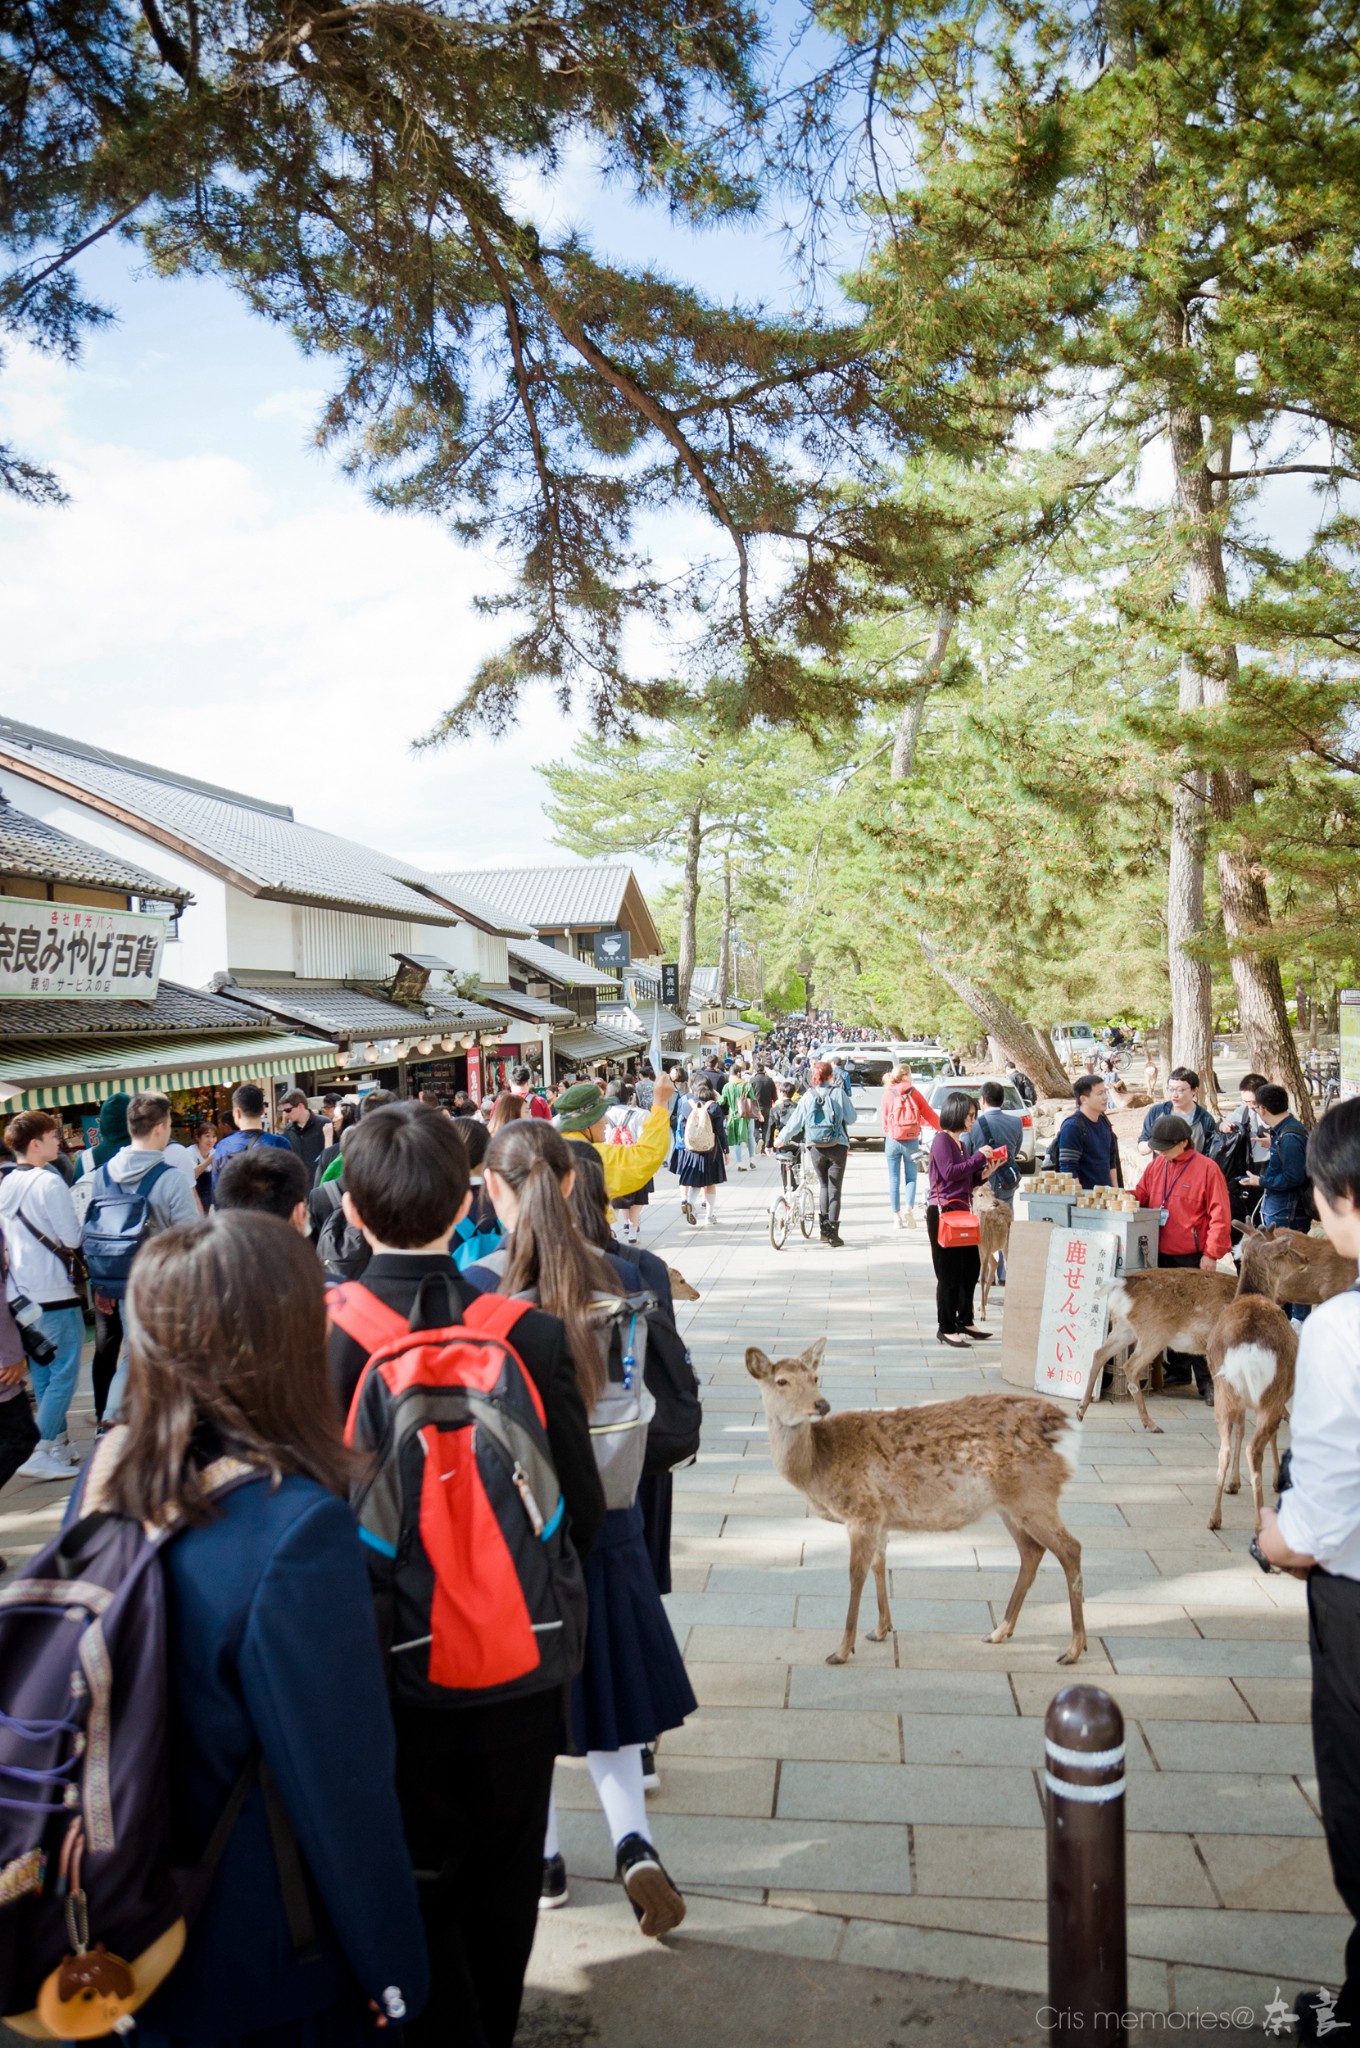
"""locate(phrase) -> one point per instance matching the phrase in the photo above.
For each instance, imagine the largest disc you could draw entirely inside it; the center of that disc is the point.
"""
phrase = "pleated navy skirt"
(633, 1685)
(346, 2026)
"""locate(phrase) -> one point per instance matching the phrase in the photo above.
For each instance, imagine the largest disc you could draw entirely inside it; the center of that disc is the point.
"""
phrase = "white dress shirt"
(1320, 1513)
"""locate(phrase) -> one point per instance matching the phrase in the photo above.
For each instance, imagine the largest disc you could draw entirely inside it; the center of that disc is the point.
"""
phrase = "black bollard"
(1088, 1973)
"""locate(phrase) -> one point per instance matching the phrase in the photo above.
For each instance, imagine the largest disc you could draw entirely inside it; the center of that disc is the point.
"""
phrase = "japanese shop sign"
(1080, 1268)
(62, 950)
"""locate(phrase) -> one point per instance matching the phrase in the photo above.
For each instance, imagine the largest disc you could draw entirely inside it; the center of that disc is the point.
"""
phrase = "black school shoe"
(658, 1906)
(553, 1890)
(687, 1212)
(651, 1776)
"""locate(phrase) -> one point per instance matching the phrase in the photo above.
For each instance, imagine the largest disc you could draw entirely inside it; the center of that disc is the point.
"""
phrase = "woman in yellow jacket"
(580, 1115)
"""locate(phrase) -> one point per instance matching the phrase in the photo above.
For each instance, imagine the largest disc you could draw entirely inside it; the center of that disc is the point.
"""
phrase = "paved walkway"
(888, 1813)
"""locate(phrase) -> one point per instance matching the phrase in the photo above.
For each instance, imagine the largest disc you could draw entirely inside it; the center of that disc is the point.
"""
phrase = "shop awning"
(642, 1016)
(595, 1042)
(57, 1072)
(733, 1034)
(533, 1009)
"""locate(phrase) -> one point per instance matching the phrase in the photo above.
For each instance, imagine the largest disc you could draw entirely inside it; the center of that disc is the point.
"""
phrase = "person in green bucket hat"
(580, 1114)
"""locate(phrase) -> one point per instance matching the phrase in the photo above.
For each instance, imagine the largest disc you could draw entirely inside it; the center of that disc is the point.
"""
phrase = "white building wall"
(340, 945)
(260, 936)
(201, 950)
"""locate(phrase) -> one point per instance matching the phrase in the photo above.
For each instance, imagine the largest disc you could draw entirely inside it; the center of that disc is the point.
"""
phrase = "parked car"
(866, 1065)
(971, 1084)
(1075, 1041)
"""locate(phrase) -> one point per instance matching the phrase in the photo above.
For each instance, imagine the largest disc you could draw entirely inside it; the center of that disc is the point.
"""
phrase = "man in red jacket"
(1192, 1195)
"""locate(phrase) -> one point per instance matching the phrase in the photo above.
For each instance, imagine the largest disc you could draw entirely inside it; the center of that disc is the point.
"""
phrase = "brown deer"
(1165, 1308)
(938, 1467)
(1251, 1355)
(680, 1287)
(1293, 1268)
(994, 1223)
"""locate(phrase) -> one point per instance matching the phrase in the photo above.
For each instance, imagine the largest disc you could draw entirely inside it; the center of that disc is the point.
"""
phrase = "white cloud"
(271, 631)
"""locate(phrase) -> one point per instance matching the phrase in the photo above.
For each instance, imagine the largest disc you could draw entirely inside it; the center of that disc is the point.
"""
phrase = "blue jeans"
(900, 1154)
(54, 1384)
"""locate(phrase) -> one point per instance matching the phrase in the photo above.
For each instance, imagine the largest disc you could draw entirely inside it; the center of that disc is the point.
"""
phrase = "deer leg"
(1263, 1433)
(1106, 1355)
(884, 1629)
(1054, 1535)
(862, 1546)
(988, 1270)
(1031, 1557)
(1136, 1375)
(1224, 1421)
(1239, 1429)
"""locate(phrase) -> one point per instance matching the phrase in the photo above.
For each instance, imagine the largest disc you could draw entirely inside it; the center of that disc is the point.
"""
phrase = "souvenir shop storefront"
(73, 1077)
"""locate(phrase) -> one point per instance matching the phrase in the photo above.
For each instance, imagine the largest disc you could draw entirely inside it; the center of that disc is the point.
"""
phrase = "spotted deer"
(939, 1467)
(1164, 1308)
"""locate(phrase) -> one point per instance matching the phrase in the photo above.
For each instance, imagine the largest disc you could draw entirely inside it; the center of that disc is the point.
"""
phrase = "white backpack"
(699, 1129)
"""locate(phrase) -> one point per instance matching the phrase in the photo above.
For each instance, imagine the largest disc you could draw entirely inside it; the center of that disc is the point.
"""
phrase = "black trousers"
(1334, 1639)
(475, 1820)
(829, 1162)
(958, 1268)
(1187, 1361)
(18, 1434)
(108, 1342)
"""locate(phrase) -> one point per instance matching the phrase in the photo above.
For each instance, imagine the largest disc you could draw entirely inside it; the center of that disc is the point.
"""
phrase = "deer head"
(788, 1386)
(1268, 1263)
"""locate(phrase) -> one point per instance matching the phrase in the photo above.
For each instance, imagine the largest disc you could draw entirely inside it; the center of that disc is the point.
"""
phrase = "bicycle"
(794, 1200)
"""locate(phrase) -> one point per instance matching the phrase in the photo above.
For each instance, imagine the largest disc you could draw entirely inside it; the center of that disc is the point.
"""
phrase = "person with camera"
(1314, 1532)
(42, 1238)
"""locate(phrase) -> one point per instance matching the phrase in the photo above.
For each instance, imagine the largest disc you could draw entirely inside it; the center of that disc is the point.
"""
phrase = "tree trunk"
(1262, 1014)
(1021, 1045)
(689, 904)
(909, 726)
(725, 946)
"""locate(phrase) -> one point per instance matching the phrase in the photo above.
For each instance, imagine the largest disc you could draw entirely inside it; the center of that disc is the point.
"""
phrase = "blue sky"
(219, 599)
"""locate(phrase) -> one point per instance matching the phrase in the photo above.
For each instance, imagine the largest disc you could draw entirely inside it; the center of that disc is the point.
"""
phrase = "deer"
(680, 1287)
(1164, 1308)
(1251, 1355)
(1294, 1268)
(934, 1468)
(994, 1222)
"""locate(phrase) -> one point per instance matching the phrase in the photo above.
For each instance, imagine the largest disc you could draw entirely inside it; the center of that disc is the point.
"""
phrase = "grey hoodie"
(171, 1201)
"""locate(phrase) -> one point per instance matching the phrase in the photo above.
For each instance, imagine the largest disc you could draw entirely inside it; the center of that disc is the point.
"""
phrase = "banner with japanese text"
(50, 950)
(1081, 1265)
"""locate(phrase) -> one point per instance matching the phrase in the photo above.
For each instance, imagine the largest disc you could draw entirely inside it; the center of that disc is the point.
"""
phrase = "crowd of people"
(405, 1666)
(434, 1334)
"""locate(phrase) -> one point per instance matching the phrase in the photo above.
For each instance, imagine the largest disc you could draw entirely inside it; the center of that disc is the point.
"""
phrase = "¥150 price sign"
(1081, 1265)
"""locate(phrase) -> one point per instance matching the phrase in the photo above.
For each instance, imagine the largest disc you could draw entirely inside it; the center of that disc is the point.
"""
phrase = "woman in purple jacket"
(954, 1174)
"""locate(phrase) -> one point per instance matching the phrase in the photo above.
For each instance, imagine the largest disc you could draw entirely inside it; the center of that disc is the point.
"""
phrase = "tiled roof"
(343, 1010)
(548, 964)
(580, 895)
(259, 844)
(643, 1015)
(595, 1042)
(175, 1009)
(520, 1005)
(41, 853)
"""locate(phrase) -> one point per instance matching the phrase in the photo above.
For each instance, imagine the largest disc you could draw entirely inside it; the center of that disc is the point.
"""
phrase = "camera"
(37, 1344)
(1286, 1481)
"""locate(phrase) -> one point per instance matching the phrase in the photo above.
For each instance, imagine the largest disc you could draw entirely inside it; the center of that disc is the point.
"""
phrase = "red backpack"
(901, 1115)
(479, 1592)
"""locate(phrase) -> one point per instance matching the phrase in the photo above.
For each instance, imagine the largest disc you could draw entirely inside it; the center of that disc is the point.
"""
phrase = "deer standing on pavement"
(994, 1225)
(1251, 1355)
(938, 1467)
(1164, 1308)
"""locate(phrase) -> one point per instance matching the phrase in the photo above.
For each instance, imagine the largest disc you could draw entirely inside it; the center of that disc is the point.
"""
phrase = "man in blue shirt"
(1183, 1101)
(247, 1110)
(1087, 1146)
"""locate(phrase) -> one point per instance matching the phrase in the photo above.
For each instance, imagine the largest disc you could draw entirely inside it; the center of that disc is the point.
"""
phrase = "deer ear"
(757, 1364)
(815, 1353)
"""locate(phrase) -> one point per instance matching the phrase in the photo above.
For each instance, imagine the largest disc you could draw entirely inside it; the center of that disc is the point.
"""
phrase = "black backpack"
(673, 1433)
(342, 1250)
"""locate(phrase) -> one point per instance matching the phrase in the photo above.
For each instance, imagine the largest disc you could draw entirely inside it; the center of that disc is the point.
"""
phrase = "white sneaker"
(911, 1219)
(45, 1463)
(899, 1220)
(64, 1448)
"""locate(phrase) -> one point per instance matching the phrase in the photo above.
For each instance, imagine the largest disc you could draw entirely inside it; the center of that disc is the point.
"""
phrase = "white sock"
(618, 1785)
(552, 1845)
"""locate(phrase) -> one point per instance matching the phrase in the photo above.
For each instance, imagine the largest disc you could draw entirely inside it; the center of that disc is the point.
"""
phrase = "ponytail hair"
(547, 1251)
(589, 1198)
